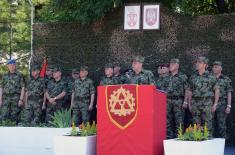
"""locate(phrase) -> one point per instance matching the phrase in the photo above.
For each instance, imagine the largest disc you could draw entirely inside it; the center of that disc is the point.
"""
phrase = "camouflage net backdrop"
(72, 44)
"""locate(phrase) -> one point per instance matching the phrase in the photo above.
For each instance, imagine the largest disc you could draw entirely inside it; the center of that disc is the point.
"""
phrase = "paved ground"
(229, 151)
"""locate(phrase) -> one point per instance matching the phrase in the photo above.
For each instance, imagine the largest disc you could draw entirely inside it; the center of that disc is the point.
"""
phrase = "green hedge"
(184, 37)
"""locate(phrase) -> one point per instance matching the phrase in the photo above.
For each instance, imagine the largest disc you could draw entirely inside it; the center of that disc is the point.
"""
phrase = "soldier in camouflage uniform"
(35, 99)
(83, 95)
(175, 99)
(224, 105)
(55, 92)
(12, 91)
(163, 77)
(117, 73)
(204, 91)
(138, 75)
(49, 74)
(108, 79)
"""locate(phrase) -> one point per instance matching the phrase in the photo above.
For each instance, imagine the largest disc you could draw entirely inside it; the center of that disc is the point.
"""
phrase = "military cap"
(84, 68)
(108, 65)
(175, 61)
(138, 59)
(35, 67)
(217, 63)
(57, 69)
(203, 59)
(50, 67)
(11, 61)
(75, 70)
(116, 64)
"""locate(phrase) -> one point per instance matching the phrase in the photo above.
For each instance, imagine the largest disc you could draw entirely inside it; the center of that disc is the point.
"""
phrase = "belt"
(175, 97)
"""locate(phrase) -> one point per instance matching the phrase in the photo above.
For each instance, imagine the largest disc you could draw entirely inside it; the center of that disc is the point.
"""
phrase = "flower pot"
(74, 145)
(207, 147)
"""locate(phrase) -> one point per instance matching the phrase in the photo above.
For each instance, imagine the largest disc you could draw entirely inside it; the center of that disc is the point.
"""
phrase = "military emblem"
(151, 16)
(122, 104)
(132, 19)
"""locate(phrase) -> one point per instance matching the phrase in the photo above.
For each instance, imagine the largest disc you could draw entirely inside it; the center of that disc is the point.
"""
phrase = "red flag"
(44, 68)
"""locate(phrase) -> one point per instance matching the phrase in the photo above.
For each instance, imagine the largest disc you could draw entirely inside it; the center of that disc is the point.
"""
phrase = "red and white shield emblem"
(122, 104)
(132, 19)
(151, 16)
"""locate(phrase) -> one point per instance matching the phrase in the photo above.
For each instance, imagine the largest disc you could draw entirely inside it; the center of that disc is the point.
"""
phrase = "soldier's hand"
(185, 105)
(213, 109)
(20, 103)
(228, 110)
(90, 108)
(43, 106)
(51, 100)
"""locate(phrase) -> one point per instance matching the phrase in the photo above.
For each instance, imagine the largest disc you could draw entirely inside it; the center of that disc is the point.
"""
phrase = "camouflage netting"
(73, 44)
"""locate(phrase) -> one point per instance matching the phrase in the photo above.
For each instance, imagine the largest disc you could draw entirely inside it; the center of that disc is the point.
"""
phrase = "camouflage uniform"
(120, 79)
(33, 110)
(162, 82)
(109, 81)
(202, 88)
(175, 99)
(55, 88)
(224, 83)
(83, 89)
(12, 84)
(145, 77)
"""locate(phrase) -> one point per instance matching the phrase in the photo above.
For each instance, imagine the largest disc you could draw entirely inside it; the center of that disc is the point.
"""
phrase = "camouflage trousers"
(32, 112)
(201, 111)
(220, 119)
(80, 111)
(175, 116)
(52, 108)
(10, 109)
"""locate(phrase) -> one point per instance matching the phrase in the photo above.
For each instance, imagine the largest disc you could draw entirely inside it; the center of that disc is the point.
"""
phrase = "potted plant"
(81, 141)
(195, 140)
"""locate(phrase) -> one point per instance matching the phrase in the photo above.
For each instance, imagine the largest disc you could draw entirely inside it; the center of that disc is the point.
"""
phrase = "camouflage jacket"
(224, 85)
(36, 87)
(145, 77)
(12, 83)
(120, 79)
(83, 88)
(70, 85)
(109, 81)
(177, 85)
(203, 85)
(55, 88)
(162, 82)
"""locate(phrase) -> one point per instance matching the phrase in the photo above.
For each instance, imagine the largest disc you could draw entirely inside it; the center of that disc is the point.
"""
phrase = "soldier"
(175, 99)
(49, 74)
(108, 79)
(163, 77)
(55, 92)
(11, 93)
(117, 73)
(204, 91)
(83, 96)
(224, 105)
(35, 99)
(138, 75)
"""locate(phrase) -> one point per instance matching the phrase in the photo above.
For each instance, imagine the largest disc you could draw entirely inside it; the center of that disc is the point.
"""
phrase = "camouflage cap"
(35, 67)
(84, 68)
(116, 64)
(50, 67)
(108, 65)
(175, 61)
(75, 70)
(202, 59)
(138, 59)
(57, 69)
(11, 61)
(217, 63)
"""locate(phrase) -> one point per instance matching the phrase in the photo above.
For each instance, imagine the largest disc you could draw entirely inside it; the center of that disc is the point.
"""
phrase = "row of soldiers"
(204, 93)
